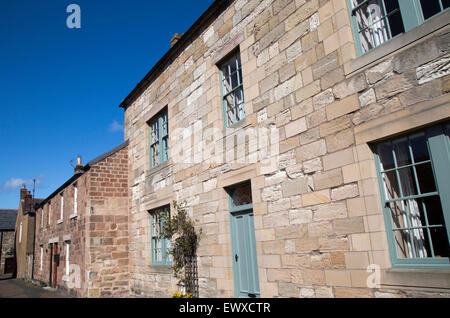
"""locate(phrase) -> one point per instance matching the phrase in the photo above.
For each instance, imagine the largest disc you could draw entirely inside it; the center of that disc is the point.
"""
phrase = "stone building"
(7, 230)
(309, 141)
(82, 229)
(24, 234)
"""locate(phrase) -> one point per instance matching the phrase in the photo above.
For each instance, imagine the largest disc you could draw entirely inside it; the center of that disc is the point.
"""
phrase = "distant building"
(82, 229)
(25, 224)
(7, 227)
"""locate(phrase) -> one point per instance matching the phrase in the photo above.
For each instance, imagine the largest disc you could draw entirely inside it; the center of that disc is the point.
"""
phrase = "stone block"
(316, 118)
(427, 91)
(313, 277)
(342, 107)
(277, 219)
(331, 78)
(379, 71)
(418, 55)
(341, 140)
(325, 65)
(306, 244)
(393, 85)
(330, 211)
(323, 228)
(357, 260)
(309, 136)
(344, 292)
(323, 99)
(367, 98)
(311, 150)
(295, 187)
(328, 179)
(301, 14)
(295, 127)
(334, 126)
(302, 109)
(307, 91)
(338, 278)
(315, 198)
(300, 216)
(338, 159)
(312, 165)
(345, 192)
(349, 225)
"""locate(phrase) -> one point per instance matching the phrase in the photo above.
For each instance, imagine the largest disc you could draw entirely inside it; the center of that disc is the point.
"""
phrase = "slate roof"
(7, 219)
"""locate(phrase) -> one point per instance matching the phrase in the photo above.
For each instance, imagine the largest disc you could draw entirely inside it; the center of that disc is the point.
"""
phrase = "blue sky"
(60, 88)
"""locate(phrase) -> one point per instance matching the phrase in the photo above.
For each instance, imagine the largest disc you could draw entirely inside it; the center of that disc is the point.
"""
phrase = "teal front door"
(245, 267)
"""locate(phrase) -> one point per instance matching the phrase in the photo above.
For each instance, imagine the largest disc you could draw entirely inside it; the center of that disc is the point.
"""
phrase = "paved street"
(17, 288)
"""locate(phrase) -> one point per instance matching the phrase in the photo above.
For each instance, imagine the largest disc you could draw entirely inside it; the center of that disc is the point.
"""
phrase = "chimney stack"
(174, 39)
(79, 168)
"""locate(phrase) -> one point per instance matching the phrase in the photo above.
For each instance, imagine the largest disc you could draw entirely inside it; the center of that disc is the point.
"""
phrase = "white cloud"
(13, 184)
(115, 126)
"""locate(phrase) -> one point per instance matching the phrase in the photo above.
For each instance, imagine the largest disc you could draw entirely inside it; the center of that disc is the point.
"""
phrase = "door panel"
(245, 268)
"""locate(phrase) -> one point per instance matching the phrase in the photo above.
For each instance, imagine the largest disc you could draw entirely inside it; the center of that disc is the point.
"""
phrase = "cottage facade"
(82, 230)
(7, 234)
(24, 234)
(309, 141)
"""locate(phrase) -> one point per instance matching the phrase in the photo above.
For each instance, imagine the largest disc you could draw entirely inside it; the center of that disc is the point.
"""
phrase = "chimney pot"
(79, 167)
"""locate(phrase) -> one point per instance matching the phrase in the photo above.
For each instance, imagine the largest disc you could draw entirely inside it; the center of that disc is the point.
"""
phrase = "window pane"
(420, 148)
(154, 132)
(396, 23)
(445, 4)
(165, 126)
(434, 210)
(232, 82)
(229, 108)
(398, 214)
(226, 81)
(155, 154)
(372, 24)
(385, 153)
(425, 177)
(401, 149)
(430, 8)
(407, 181)
(242, 195)
(440, 242)
(391, 185)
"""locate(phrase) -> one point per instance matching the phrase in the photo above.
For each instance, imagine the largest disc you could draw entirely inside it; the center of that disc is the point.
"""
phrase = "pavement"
(19, 288)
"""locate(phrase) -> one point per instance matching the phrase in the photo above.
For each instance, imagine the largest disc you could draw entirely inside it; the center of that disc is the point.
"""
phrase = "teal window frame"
(237, 117)
(157, 217)
(438, 143)
(159, 138)
(411, 14)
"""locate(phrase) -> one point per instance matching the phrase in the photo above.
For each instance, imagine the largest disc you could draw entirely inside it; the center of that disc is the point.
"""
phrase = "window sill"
(161, 269)
(158, 168)
(438, 278)
(397, 43)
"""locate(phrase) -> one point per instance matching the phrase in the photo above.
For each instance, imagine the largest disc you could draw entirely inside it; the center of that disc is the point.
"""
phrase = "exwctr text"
(227, 308)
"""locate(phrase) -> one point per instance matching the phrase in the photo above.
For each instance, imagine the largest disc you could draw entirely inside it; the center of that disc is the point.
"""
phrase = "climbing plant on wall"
(180, 228)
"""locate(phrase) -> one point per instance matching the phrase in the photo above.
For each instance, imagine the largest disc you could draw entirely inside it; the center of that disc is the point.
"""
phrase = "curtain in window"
(378, 24)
